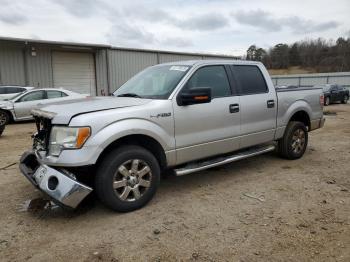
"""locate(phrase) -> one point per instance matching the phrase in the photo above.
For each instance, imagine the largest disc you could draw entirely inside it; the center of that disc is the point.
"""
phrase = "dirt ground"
(260, 209)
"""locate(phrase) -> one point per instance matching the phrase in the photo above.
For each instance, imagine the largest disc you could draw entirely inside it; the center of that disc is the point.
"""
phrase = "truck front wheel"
(127, 178)
(4, 117)
(294, 142)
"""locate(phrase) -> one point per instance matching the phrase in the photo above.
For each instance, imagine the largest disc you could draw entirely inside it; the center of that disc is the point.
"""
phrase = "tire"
(133, 189)
(326, 101)
(4, 117)
(345, 99)
(294, 142)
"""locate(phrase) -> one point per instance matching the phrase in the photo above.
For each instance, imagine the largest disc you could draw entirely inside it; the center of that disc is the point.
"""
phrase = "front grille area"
(42, 136)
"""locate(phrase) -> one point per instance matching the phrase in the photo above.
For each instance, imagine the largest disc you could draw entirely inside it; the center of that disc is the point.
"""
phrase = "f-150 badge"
(161, 115)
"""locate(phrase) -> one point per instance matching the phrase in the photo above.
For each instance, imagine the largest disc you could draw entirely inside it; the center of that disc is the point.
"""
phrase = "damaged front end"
(59, 184)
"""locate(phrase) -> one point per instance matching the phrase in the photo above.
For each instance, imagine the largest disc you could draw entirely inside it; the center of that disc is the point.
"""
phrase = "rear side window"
(250, 79)
(214, 77)
(55, 94)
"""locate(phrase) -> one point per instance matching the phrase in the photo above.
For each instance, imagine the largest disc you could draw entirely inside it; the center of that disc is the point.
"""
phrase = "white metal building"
(309, 80)
(84, 68)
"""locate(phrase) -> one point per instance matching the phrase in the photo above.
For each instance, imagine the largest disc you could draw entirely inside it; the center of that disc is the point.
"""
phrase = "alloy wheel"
(3, 118)
(298, 141)
(132, 180)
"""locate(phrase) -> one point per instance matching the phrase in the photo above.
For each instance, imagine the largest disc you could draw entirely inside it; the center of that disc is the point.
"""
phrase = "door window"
(55, 94)
(250, 79)
(33, 96)
(214, 77)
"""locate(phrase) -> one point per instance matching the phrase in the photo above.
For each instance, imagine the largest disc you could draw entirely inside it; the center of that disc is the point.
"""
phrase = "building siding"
(101, 72)
(165, 58)
(206, 57)
(12, 70)
(124, 64)
(39, 67)
(113, 66)
(309, 80)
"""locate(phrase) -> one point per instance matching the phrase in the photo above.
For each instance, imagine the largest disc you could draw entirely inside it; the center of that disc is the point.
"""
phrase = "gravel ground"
(259, 209)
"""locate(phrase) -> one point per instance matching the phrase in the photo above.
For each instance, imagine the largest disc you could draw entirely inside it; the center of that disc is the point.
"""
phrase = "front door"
(203, 130)
(27, 102)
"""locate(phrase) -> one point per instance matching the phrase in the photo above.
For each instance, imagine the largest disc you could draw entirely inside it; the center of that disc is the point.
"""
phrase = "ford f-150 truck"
(184, 116)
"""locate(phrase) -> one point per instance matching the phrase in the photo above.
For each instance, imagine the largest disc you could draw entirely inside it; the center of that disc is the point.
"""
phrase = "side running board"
(198, 166)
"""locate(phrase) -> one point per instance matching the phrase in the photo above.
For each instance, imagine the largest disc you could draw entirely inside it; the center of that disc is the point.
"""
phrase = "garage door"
(74, 71)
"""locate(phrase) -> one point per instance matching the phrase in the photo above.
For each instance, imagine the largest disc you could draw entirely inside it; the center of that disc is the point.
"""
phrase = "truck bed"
(292, 100)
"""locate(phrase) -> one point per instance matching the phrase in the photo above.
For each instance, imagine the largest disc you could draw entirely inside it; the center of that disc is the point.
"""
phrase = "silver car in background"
(7, 92)
(19, 107)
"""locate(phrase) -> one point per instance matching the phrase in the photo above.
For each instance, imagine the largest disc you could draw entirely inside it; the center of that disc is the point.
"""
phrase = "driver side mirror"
(198, 95)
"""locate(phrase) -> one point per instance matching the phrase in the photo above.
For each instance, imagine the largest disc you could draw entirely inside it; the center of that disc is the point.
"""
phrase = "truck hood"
(63, 112)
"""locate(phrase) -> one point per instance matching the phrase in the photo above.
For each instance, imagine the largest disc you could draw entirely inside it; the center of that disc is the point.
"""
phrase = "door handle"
(270, 103)
(234, 108)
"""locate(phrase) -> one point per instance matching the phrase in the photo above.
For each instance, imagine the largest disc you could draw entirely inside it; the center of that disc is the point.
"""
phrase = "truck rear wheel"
(345, 99)
(127, 178)
(294, 142)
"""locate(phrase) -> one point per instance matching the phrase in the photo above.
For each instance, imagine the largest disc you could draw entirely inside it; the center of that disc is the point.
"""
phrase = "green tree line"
(319, 54)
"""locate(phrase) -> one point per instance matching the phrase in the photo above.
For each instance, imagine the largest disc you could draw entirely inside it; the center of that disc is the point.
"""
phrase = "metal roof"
(170, 52)
(39, 41)
(92, 45)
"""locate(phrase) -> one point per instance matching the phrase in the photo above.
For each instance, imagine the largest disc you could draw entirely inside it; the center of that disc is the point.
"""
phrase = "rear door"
(203, 130)
(258, 105)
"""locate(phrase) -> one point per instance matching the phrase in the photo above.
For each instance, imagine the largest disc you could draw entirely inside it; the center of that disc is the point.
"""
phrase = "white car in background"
(19, 107)
(7, 92)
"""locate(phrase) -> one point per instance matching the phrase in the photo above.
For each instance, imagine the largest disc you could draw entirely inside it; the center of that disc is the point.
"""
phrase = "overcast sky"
(221, 26)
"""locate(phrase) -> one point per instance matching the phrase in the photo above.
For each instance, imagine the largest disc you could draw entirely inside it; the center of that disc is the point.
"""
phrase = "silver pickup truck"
(184, 116)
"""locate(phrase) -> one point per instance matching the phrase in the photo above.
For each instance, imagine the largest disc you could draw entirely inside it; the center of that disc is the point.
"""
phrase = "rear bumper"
(61, 187)
(318, 123)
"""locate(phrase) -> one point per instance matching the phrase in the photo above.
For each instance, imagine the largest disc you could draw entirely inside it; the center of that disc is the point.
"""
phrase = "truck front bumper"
(61, 186)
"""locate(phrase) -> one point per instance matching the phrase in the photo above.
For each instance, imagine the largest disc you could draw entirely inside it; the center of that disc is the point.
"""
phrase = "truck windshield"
(155, 82)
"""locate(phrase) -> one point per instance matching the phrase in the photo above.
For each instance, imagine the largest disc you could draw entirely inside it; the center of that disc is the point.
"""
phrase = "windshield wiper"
(129, 95)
